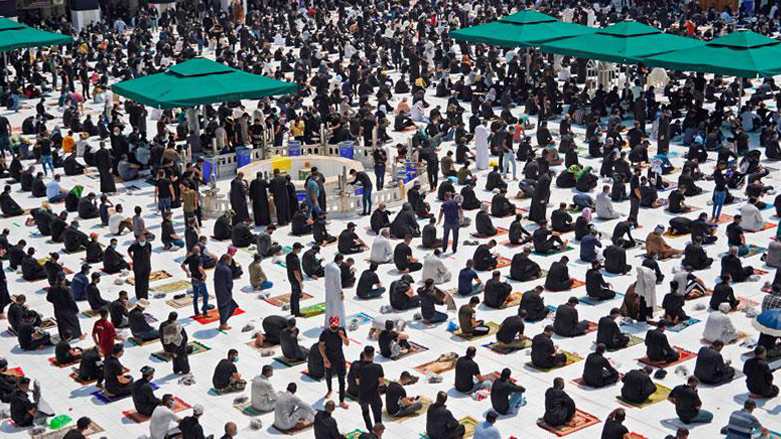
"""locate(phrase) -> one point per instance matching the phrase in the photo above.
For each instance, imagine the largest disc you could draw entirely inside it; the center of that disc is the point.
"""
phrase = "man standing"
(370, 377)
(103, 161)
(238, 199)
(366, 183)
(330, 346)
(104, 334)
(295, 277)
(334, 295)
(141, 253)
(454, 215)
(223, 289)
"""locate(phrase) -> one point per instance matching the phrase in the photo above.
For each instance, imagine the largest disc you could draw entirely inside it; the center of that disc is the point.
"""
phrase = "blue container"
(243, 157)
(300, 196)
(208, 168)
(347, 149)
(294, 148)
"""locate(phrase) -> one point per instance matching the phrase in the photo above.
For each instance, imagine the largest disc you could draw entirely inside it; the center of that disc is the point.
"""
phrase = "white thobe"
(481, 147)
(334, 305)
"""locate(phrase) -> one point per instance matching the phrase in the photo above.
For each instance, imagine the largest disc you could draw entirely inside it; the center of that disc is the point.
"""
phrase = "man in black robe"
(113, 261)
(534, 305)
(242, 234)
(32, 270)
(223, 227)
(710, 367)
(471, 202)
(638, 385)
(608, 332)
(278, 186)
(238, 199)
(546, 241)
(66, 312)
(597, 372)
(496, 292)
(484, 226)
(141, 253)
(615, 258)
(523, 269)
(566, 322)
(695, 256)
(596, 287)
(258, 192)
(759, 376)
(558, 276)
(8, 205)
(104, 162)
(405, 223)
(559, 407)
(545, 354)
(380, 219)
(657, 347)
(494, 180)
(501, 206)
(483, 259)
(73, 239)
(538, 211)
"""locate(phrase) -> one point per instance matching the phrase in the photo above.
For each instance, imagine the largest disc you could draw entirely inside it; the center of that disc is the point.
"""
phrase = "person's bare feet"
(344, 405)
(82, 336)
(2, 316)
(225, 328)
(328, 395)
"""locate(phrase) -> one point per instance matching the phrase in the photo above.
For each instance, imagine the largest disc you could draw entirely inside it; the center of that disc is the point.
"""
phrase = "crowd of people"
(650, 186)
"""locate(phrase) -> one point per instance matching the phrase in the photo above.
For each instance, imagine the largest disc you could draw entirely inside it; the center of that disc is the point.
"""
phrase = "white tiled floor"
(653, 422)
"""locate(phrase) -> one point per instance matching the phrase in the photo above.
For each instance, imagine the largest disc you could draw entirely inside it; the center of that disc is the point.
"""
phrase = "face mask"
(236, 360)
(113, 246)
(142, 243)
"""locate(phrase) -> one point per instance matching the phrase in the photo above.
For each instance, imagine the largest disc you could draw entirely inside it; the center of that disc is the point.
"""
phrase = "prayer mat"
(502, 262)
(501, 348)
(179, 406)
(216, 392)
(284, 299)
(153, 277)
(24, 212)
(759, 272)
(149, 318)
(724, 219)
(246, 409)
(138, 342)
(101, 396)
(660, 395)
(360, 319)
(81, 249)
(414, 349)
(739, 375)
(575, 284)
(592, 327)
(355, 434)
(579, 382)
(680, 326)
(266, 346)
(741, 336)
(513, 300)
(425, 401)
(509, 244)
(774, 435)
(696, 294)
(445, 363)
(313, 310)
(768, 225)
(93, 428)
(493, 328)
(670, 187)
(499, 232)
(633, 341)
(48, 323)
(683, 355)
(590, 301)
(75, 377)
(15, 372)
(555, 252)
(672, 233)
(300, 428)
(581, 418)
(753, 250)
(289, 362)
(184, 302)
(172, 287)
(636, 436)
(214, 316)
(53, 361)
(744, 303)
(165, 357)
(469, 423)
(571, 359)
(90, 313)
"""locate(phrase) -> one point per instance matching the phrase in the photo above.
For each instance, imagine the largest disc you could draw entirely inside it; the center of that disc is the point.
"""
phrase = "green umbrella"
(627, 42)
(523, 29)
(744, 53)
(15, 35)
(200, 81)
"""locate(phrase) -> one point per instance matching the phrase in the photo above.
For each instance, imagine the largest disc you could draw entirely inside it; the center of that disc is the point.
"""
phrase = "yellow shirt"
(67, 144)
(297, 129)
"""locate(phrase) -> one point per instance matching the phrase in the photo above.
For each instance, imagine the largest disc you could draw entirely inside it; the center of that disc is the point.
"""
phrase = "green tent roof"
(742, 53)
(200, 81)
(522, 29)
(627, 42)
(15, 35)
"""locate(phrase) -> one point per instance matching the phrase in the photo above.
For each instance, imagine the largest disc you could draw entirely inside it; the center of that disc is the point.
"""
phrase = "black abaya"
(259, 196)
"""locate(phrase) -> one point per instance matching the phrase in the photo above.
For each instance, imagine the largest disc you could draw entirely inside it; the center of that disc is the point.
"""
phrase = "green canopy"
(742, 53)
(522, 29)
(200, 81)
(627, 42)
(15, 35)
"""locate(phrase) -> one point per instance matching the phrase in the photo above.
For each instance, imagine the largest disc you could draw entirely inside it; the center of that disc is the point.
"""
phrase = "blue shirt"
(486, 431)
(450, 210)
(79, 286)
(465, 277)
(53, 189)
(588, 246)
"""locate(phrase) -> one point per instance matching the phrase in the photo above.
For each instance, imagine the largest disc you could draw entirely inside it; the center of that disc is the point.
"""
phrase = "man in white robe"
(481, 147)
(334, 296)
(645, 287)
(435, 269)
(719, 326)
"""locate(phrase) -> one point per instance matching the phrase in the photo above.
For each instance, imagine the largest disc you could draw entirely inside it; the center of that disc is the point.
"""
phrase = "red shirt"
(105, 333)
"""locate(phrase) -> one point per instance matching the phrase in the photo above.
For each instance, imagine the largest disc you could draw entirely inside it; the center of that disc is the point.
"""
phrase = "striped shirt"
(742, 425)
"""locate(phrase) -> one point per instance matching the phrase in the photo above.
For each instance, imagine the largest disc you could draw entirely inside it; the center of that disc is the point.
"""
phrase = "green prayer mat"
(313, 310)
(555, 252)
